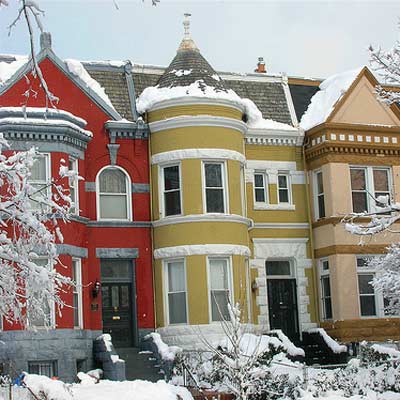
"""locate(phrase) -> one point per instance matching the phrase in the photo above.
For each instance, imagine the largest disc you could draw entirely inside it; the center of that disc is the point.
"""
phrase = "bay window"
(319, 195)
(73, 185)
(215, 190)
(325, 283)
(176, 291)
(77, 292)
(39, 179)
(171, 190)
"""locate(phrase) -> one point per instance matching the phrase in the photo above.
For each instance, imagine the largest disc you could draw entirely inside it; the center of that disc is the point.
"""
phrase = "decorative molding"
(185, 219)
(113, 152)
(275, 137)
(281, 225)
(72, 250)
(201, 120)
(201, 249)
(117, 253)
(140, 188)
(218, 154)
(274, 207)
(351, 249)
(127, 130)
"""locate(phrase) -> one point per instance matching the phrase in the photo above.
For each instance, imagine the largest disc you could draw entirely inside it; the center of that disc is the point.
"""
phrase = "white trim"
(201, 249)
(270, 207)
(193, 100)
(224, 178)
(128, 195)
(209, 217)
(78, 287)
(282, 240)
(230, 283)
(281, 225)
(161, 188)
(166, 291)
(288, 188)
(200, 120)
(216, 154)
(75, 183)
(265, 187)
(275, 137)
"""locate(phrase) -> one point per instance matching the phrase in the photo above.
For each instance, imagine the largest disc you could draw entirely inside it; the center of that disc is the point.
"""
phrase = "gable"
(362, 107)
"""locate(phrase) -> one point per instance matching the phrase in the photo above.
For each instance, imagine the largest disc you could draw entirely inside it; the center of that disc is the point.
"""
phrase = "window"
(113, 194)
(77, 292)
(215, 187)
(283, 189)
(220, 293)
(176, 292)
(47, 368)
(278, 268)
(73, 185)
(320, 197)
(367, 184)
(40, 179)
(260, 192)
(171, 190)
(368, 300)
(325, 290)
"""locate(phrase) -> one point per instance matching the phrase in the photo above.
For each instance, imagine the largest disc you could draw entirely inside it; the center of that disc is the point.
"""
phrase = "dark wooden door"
(282, 301)
(117, 312)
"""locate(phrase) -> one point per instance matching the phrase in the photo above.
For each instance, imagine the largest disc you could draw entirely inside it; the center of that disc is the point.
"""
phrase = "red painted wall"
(133, 157)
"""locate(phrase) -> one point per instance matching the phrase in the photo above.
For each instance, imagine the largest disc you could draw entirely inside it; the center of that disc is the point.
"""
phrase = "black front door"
(282, 301)
(117, 312)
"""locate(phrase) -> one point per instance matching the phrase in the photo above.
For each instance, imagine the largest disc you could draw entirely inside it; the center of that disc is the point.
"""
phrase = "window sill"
(274, 207)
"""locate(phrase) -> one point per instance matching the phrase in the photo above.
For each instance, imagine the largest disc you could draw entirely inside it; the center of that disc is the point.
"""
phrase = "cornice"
(275, 137)
(127, 130)
(201, 120)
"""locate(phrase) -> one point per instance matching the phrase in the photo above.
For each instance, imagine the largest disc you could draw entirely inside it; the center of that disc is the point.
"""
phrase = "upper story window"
(215, 190)
(113, 188)
(171, 190)
(284, 192)
(40, 180)
(325, 282)
(367, 184)
(73, 185)
(319, 195)
(260, 188)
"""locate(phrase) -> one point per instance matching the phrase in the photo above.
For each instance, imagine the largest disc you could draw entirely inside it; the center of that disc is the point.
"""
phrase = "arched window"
(113, 194)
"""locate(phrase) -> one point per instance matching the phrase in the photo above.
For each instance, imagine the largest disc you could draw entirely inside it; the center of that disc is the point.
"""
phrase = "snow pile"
(290, 348)
(129, 390)
(181, 72)
(7, 70)
(198, 89)
(167, 353)
(76, 68)
(382, 349)
(331, 343)
(44, 387)
(323, 102)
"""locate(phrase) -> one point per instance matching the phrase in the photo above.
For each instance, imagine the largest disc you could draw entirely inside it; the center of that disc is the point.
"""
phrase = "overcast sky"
(301, 38)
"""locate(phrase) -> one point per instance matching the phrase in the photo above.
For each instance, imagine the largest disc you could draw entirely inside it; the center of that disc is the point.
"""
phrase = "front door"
(119, 301)
(282, 302)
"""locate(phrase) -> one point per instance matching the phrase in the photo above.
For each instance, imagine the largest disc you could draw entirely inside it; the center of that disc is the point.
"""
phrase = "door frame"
(132, 281)
(292, 276)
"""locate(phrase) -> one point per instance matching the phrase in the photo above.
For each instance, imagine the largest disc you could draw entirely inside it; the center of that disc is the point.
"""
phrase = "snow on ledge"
(323, 102)
(167, 353)
(200, 249)
(287, 344)
(382, 349)
(331, 343)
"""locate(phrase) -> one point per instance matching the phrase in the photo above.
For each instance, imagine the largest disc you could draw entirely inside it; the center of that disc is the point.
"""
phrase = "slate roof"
(189, 66)
(114, 83)
(301, 96)
(142, 80)
(269, 97)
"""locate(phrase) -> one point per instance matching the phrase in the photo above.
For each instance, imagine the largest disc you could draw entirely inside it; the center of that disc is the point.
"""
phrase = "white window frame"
(47, 181)
(323, 273)
(224, 178)
(166, 291)
(289, 186)
(128, 194)
(317, 195)
(74, 182)
(230, 283)
(162, 188)
(369, 185)
(77, 289)
(266, 194)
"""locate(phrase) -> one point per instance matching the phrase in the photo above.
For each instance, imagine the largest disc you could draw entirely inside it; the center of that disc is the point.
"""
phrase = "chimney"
(261, 66)
(45, 40)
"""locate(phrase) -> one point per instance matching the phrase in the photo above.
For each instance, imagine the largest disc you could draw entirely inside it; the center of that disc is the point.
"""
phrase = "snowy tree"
(30, 285)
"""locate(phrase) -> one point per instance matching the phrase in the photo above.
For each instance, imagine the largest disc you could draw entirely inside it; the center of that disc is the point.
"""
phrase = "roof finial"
(186, 25)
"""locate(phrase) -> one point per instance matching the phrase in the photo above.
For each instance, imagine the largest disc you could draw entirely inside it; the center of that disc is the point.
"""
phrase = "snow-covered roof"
(324, 101)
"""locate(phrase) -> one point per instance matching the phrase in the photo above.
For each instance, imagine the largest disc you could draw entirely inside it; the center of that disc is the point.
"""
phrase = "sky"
(300, 38)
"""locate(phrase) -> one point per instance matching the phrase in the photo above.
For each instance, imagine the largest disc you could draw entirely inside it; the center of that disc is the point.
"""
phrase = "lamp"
(96, 289)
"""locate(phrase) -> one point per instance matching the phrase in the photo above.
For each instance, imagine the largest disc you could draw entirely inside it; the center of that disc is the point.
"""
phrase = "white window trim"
(75, 168)
(369, 181)
(47, 157)
(230, 283)
(289, 188)
(224, 176)
(161, 189)
(128, 195)
(316, 195)
(78, 290)
(321, 274)
(266, 191)
(166, 291)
